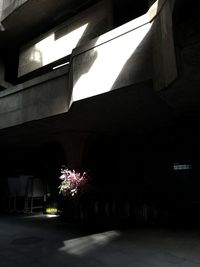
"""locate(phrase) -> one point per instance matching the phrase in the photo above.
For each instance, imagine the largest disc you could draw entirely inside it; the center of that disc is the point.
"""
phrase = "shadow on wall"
(125, 59)
(138, 67)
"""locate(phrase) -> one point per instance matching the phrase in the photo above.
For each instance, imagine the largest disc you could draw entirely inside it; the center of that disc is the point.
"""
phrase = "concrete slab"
(37, 240)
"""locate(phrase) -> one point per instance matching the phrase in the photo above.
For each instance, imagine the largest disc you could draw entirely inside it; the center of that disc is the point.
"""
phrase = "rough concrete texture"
(10, 5)
(60, 41)
(45, 96)
(41, 241)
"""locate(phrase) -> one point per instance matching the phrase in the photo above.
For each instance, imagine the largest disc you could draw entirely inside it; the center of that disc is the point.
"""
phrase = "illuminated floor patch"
(84, 245)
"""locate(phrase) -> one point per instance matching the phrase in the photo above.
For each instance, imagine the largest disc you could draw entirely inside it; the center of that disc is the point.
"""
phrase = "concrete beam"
(44, 96)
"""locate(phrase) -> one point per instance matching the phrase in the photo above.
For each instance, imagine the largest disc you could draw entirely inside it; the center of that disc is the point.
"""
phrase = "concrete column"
(164, 58)
(73, 145)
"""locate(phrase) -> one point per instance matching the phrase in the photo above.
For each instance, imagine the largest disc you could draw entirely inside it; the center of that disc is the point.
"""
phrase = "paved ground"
(41, 241)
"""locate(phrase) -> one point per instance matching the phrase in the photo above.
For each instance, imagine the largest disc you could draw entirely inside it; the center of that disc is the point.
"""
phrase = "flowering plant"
(71, 181)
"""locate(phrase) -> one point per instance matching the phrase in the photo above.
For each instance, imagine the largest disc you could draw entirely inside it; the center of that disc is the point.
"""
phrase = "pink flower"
(72, 181)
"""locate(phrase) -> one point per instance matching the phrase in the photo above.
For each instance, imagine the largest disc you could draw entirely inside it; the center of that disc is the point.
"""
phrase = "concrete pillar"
(164, 58)
(73, 145)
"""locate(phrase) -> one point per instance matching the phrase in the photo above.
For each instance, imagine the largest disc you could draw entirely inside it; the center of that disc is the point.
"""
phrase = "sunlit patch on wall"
(109, 61)
(49, 49)
(108, 58)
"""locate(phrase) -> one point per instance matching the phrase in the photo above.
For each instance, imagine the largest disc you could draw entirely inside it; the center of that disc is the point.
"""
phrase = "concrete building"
(106, 86)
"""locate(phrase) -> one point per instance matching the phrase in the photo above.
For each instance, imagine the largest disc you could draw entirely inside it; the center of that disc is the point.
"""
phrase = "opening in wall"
(125, 10)
(181, 166)
(11, 61)
(45, 69)
(58, 43)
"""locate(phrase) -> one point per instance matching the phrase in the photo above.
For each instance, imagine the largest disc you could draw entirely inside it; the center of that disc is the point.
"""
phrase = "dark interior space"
(125, 11)
(149, 179)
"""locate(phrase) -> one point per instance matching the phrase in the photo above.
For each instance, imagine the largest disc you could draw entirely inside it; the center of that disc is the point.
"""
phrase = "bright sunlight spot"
(51, 49)
(52, 216)
(83, 245)
(51, 210)
(100, 67)
(109, 60)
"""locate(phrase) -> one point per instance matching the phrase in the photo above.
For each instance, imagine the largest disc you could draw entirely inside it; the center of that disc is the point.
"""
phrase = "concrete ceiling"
(132, 110)
(36, 17)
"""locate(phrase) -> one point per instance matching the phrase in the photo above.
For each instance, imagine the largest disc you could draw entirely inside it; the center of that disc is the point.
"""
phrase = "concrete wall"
(1, 62)
(59, 42)
(74, 145)
(3, 83)
(1, 70)
(135, 52)
(121, 61)
(164, 57)
(1, 9)
(1, 74)
(139, 50)
(10, 5)
(41, 97)
(184, 96)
